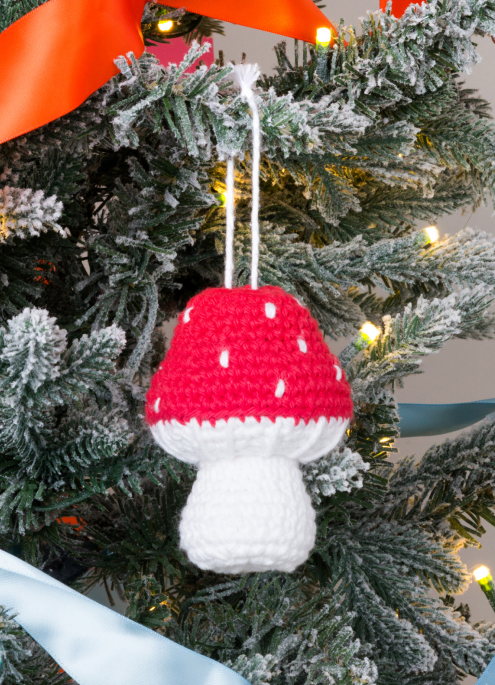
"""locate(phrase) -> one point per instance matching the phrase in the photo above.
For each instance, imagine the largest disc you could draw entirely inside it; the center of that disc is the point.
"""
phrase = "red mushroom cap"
(244, 352)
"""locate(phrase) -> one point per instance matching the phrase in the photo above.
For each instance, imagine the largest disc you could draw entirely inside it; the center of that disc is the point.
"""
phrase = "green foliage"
(46, 443)
(13, 649)
(12, 10)
(111, 220)
(23, 662)
(250, 625)
(450, 490)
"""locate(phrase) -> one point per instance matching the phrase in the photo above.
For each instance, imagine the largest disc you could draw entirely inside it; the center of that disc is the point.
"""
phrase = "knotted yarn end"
(246, 76)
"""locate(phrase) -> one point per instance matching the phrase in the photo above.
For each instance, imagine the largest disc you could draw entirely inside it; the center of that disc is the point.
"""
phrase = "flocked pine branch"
(450, 490)
(262, 611)
(14, 649)
(26, 213)
(23, 660)
(356, 151)
(416, 333)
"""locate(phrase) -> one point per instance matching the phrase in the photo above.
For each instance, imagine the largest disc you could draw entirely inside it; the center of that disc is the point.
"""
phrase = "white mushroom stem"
(248, 509)
(248, 514)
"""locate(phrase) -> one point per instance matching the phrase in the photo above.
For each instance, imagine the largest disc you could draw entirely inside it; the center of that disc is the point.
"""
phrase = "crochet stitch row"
(242, 352)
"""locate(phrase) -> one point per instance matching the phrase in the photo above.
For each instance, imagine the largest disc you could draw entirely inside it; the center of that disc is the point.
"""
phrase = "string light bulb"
(323, 36)
(224, 197)
(165, 25)
(482, 573)
(432, 234)
(485, 581)
(369, 331)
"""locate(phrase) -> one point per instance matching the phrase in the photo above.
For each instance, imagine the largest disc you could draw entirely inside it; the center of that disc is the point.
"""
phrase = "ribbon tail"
(57, 55)
(92, 643)
(437, 419)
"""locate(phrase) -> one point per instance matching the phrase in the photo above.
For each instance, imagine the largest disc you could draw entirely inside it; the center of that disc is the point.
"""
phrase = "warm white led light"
(369, 330)
(481, 573)
(323, 35)
(165, 25)
(432, 233)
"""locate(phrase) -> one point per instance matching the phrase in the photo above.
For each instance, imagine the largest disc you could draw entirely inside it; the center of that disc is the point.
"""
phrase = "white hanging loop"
(247, 75)
(229, 236)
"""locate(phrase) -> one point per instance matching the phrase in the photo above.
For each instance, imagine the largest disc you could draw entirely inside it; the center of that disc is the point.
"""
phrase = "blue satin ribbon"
(435, 419)
(92, 643)
(96, 646)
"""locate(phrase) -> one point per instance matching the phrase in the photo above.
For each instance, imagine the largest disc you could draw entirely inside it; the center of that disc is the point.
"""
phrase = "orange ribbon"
(398, 6)
(57, 55)
(291, 18)
(54, 57)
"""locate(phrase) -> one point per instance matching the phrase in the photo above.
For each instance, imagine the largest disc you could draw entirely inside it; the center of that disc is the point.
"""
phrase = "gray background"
(463, 370)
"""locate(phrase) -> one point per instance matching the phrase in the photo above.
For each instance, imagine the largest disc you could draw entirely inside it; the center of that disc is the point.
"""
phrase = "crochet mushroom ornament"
(247, 392)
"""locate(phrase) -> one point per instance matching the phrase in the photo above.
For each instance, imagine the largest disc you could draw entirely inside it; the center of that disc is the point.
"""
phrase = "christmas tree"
(113, 217)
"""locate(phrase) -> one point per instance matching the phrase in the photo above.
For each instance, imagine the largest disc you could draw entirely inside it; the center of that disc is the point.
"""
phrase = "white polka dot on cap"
(270, 310)
(280, 388)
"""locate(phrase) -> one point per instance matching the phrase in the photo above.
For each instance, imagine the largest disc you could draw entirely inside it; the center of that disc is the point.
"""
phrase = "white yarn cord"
(229, 236)
(247, 75)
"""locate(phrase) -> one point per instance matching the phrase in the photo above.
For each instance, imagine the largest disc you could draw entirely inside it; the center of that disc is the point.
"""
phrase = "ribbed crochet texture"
(247, 391)
(244, 352)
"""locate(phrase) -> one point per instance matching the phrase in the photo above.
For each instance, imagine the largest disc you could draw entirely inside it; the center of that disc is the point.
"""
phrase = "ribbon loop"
(437, 419)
